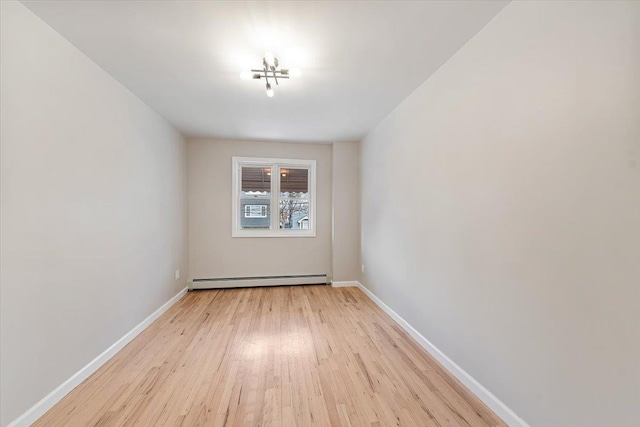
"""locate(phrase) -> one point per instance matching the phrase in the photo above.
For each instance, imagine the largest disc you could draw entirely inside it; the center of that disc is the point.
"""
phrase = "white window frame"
(275, 165)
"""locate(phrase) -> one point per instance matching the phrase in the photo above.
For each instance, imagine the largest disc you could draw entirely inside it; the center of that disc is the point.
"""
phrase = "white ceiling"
(183, 58)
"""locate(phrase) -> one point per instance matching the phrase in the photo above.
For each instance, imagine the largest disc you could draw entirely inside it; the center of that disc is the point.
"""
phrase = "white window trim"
(274, 230)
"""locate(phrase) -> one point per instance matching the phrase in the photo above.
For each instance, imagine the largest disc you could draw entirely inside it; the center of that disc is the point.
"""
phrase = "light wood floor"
(299, 355)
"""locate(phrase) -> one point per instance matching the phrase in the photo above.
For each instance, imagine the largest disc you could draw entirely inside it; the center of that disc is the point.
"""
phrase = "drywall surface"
(213, 253)
(346, 211)
(93, 199)
(501, 211)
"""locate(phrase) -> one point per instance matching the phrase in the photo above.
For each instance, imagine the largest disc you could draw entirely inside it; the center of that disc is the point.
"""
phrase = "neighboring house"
(303, 223)
(255, 213)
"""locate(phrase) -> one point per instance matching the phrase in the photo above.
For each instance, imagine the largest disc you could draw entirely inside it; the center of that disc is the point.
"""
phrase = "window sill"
(251, 234)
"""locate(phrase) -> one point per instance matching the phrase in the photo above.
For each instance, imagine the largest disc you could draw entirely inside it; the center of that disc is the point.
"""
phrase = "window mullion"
(275, 197)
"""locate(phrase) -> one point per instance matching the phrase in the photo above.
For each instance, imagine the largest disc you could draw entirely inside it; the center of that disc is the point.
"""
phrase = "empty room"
(320, 213)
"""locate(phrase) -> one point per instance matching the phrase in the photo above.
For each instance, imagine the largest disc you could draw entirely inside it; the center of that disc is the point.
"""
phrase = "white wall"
(346, 211)
(93, 197)
(501, 211)
(213, 253)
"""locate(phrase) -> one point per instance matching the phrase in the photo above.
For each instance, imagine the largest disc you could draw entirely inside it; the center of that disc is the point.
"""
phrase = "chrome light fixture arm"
(270, 70)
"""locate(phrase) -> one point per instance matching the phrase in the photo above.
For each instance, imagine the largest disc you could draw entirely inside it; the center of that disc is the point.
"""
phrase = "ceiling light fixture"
(270, 70)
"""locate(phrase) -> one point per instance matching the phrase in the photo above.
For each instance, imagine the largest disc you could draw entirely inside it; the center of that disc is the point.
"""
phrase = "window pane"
(294, 214)
(294, 183)
(255, 213)
(256, 181)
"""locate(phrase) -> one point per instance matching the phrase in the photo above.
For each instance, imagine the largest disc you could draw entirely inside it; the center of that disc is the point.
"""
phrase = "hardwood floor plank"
(277, 356)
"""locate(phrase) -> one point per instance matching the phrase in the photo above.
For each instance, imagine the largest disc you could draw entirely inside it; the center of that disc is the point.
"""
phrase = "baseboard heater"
(244, 282)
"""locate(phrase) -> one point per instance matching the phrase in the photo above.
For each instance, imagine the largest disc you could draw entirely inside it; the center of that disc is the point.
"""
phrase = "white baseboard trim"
(36, 411)
(345, 284)
(488, 398)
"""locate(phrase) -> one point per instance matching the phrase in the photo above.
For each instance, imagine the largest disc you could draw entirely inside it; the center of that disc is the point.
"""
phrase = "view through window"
(284, 187)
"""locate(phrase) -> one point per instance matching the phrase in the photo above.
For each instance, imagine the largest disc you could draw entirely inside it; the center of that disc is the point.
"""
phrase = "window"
(273, 197)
